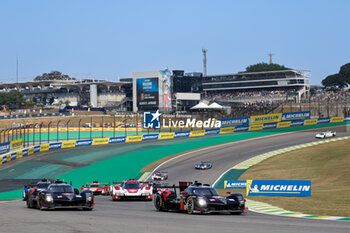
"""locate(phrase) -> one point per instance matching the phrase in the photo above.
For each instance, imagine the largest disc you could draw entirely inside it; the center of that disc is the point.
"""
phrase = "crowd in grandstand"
(340, 95)
(251, 94)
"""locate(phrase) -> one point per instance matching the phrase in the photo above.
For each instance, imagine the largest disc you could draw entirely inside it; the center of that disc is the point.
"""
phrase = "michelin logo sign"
(235, 184)
(291, 188)
(235, 121)
(296, 116)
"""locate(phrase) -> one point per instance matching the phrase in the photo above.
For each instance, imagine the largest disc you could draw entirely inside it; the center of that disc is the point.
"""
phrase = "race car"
(198, 198)
(131, 190)
(60, 195)
(97, 188)
(159, 176)
(203, 165)
(326, 134)
(39, 186)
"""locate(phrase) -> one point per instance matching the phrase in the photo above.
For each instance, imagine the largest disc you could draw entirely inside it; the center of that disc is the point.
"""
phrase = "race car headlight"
(48, 198)
(202, 202)
(88, 197)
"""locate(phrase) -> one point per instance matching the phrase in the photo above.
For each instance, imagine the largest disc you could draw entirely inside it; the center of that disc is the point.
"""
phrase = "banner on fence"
(4, 147)
(166, 136)
(269, 118)
(117, 139)
(136, 138)
(182, 134)
(147, 137)
(295, 188)
(227, 130)
(323, 120)
(212, 131)
(16, 144)
(256, 127)
(68, 144)
(270, 126)
(283, 124)
(197, 133)
(234, 121)
(296, 115)
(44, 147)
(310, 122)
(55, 145)
(235, 184)
(337, 119)
(241, 128)
(100, 141)
(87, 142)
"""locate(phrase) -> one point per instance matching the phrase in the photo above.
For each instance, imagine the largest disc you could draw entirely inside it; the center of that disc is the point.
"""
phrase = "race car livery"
(131, 190)
(97, 188)
(203, 165)
(159, 176)
(326, 134)
(60, 195)
(39, 186)
(198, 198)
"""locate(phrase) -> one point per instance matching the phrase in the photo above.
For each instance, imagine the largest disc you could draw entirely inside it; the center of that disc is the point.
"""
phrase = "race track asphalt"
(111, 216)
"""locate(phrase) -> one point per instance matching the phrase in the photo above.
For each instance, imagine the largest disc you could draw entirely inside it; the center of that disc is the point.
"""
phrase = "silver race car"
(203, 165)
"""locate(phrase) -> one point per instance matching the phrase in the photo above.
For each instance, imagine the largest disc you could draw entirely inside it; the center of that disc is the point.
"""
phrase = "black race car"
(203, 165)
(60, 195)
(198, 198)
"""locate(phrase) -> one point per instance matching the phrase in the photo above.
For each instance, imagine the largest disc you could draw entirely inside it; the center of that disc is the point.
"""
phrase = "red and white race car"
(97, 188)
(131, 190)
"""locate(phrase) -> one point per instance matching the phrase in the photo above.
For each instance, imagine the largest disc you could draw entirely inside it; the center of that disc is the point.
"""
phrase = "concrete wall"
(103, 98)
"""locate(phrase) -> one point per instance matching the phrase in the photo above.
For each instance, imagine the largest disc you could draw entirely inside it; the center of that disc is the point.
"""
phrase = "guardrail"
(162, 136)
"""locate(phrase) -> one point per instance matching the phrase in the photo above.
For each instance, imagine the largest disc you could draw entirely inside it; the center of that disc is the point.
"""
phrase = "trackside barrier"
(23, 152)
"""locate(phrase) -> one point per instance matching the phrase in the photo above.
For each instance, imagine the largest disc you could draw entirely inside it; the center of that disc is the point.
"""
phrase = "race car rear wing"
(182, 186)
(119, 182)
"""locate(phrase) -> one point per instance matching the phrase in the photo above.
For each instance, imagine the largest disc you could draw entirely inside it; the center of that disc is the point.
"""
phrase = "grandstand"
(276, 86)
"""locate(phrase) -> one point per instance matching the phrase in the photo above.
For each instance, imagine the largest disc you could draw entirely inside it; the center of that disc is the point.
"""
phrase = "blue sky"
(111, 39)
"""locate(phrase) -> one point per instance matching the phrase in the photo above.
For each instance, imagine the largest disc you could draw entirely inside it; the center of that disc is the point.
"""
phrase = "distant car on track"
(131, 190)
(60, 195)
(97, 188)
(159, 176)
(203, 165)
(198, 198)
(326, 134)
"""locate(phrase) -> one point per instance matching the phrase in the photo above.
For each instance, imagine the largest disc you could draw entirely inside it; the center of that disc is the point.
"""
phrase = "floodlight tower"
(204, 61)
(270, 55)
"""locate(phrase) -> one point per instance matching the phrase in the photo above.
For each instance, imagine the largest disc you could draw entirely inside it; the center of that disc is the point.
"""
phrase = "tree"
(339, 80)
(260, 67)
(13, 99)
(67, 102)
(53, 75)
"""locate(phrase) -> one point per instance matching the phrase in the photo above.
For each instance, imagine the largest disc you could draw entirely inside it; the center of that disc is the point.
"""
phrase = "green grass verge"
(326, 165)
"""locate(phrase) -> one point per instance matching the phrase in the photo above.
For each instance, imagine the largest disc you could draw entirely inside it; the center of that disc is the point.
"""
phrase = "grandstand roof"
(263, 72)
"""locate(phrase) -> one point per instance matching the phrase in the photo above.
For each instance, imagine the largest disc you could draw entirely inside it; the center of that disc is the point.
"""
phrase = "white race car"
(326, 134)
(131, 190)
(159, 176)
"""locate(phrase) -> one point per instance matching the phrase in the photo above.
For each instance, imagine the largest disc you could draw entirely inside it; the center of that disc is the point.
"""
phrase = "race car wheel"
(29, 203)
(190, 205)
(40, 205)
(159, 204)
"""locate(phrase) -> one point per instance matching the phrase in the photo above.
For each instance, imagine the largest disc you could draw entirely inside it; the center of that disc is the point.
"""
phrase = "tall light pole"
(204, 61)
